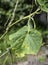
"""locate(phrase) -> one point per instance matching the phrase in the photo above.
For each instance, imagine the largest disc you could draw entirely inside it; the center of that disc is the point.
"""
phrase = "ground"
(40, 59)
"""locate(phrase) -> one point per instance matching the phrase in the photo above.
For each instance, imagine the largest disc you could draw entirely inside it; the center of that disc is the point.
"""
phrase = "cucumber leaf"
(19, 33)
(32, 42)
(26, 43)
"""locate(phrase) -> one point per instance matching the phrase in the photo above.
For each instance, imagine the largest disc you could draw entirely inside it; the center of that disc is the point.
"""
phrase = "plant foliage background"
(20, 34)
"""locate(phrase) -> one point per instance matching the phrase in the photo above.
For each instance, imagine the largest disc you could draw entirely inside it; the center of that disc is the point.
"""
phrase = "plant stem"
(10, 25)
(34, 22)
(32, 14)
(13, 15)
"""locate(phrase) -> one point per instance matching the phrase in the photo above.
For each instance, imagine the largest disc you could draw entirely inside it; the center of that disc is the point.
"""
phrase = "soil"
(35, 60)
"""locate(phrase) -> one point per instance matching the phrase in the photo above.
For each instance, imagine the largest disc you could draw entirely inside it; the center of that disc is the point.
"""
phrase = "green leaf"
(43, 4)
(32, 42)
(19, 33)
(26, 43)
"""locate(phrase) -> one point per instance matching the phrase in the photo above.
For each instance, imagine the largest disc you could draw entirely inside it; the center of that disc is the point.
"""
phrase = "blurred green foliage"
(22, 38)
